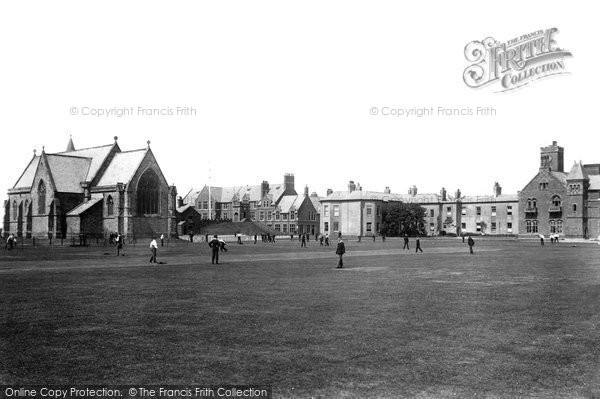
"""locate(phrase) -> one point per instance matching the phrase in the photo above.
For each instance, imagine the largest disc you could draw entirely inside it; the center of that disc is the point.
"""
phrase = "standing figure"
(326, 240)
(418, 243)
(10, 241)
(255, 238)
(321, 238)
(153, 249)
(215, 245)
(303, 241)
(162, 240)
(471, 243)
(340, 251)
(373, 237)
(542, 240)
(191, 234)
(119, 242)
(406, 242)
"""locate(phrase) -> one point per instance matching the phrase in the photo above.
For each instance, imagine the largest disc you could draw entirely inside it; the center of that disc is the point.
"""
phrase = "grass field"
(513, 320)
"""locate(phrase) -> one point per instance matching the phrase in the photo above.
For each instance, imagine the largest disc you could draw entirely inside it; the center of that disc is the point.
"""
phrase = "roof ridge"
(67, 156)
(87, 148)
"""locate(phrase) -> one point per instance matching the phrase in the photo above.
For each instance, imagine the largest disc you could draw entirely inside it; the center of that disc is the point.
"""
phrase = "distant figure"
(153, 249)
(321, 239)
(291, 237)
(307, 237)
(10, 242)
(383, 237)
(471, 244)
(191, 234)
(119, 242)
(255, 238)
(215, 245)
(239, 239)
(303, 241)
(340, 251)
(418, 243)
(326, 240)
(373, 237)
(406, 242)
(463, 238)
(541, 240)
(162, 240)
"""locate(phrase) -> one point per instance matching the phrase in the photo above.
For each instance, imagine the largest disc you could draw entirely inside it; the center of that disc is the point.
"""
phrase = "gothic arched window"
(14, 211)
(110, 206)
(148, 193)
(41, 198)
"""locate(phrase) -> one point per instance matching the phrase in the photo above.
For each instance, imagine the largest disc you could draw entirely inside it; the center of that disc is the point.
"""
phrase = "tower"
(288, 184)
(552, 158)
(575, 209)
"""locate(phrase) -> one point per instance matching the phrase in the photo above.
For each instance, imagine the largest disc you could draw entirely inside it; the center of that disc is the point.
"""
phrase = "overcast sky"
(288, 87)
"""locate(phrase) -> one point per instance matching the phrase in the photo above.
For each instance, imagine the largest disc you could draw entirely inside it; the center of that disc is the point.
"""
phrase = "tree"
(403, 218)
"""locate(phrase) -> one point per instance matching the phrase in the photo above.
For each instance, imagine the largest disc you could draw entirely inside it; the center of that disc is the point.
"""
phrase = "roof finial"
(116, 138)
(148, 142)
(34, 152)
(43, 148)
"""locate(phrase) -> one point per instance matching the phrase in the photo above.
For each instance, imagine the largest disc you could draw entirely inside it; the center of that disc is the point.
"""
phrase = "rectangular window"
(463, 211)
(262, 215)
(336, 226)
(509, 210)
(478, 211)
(369, 224)
(285, 228)
(336, 210)
(326, 210)
(493, 211)
(463, 225)
(493, 227)
(378, 210)
(204, 204)
(276, 215)
(478, 226)
(292, 228)
(509, 227)
(369, 211)
(284, 216)
(326, 227)
(253, 215)
(431, 213)
(277, 227)
(269, 215)
(292, 215)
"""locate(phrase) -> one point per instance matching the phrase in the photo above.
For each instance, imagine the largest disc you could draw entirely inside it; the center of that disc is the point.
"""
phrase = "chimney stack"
(264, 189)
(458, 194)
(444, 194)
(387, 190)
(306, 191)
(497, 190)
(179, 202)
(351, 186)
(329, 192)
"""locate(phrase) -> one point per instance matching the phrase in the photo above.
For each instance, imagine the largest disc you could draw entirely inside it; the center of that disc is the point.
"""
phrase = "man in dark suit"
(340, 251)
(303, 244)
(406, 242)
(418, 242)
(215, 244)
(471, 243)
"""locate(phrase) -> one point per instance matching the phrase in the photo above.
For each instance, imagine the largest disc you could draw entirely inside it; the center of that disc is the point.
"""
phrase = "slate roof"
(84, 206)
(577, 172)
(561, 176)
(288, 201)
(490, 198)
(26, 179)
(122, 167)
(374, 195)
(68, 172)
(97, 154)
(316, 201)
(594, 182)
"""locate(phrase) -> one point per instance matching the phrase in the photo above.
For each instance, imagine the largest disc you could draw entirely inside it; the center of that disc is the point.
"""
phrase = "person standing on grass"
(153, 249)
(406, 242)
(418, 243)
(321, 240)
(119, 243)
(255, 239)
(340, 251)
(303, 244)
(162, 240)
(542, 239)
(215, 245)
(471, 243)
(10, 242)
(326, 240)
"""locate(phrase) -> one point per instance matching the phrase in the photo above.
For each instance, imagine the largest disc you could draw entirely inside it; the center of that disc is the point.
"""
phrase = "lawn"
(513, 320)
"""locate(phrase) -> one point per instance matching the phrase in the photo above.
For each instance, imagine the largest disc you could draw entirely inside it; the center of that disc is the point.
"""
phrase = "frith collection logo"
(516, 62)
